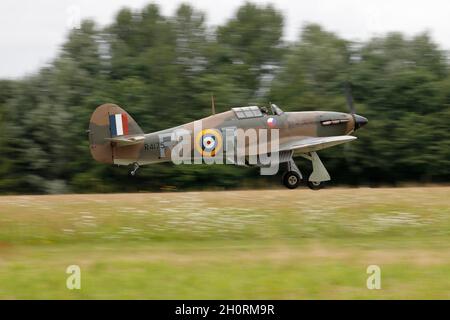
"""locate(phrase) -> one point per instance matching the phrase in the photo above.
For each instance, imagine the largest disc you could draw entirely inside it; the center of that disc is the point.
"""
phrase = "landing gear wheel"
(315, 185)
(291, 179)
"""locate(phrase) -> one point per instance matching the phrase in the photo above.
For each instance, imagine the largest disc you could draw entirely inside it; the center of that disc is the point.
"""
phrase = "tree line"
(163, 70)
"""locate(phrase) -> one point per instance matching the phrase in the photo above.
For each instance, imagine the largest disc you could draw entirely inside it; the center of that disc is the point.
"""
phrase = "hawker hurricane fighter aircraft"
(115, 138)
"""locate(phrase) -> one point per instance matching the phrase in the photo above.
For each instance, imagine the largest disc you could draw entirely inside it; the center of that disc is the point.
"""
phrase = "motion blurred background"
(163, 69)
(162, 62)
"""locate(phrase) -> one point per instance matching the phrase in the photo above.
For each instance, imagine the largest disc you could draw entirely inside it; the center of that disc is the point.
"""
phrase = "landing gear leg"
(319, 174)
(135, 169)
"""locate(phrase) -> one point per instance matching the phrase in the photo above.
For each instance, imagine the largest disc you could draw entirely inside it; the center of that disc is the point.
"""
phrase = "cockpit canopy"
(276, 110)
(255, 111)
(247, 112)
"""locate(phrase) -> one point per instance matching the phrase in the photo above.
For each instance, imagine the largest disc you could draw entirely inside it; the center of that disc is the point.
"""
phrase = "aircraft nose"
(360, 121)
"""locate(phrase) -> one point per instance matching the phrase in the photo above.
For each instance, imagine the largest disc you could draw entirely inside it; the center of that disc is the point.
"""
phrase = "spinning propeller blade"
(348, 95)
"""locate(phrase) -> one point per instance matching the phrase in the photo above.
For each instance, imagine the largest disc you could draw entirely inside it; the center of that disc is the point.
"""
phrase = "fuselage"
(157, 146)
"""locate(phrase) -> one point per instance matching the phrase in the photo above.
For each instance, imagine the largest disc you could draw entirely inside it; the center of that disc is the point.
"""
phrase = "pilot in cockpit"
(264, 110)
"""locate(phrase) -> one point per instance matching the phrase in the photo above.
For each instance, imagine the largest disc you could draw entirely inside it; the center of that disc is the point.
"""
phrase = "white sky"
(31, 31)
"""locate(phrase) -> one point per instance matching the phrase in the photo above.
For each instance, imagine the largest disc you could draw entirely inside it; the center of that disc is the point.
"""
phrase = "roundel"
(208, 142)
(271, 122)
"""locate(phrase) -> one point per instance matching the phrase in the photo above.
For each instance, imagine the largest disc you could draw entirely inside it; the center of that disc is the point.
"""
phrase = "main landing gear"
(292, 176)
(315, 185)
(291, 179)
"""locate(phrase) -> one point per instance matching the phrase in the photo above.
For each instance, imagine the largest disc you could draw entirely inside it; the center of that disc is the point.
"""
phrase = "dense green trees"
(164, 69)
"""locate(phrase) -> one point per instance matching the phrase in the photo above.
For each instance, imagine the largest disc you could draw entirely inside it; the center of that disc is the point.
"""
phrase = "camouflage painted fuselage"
(293, 126)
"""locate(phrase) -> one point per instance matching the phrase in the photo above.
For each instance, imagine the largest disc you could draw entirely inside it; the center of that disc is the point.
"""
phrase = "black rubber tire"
(315, 185)
(291, 179)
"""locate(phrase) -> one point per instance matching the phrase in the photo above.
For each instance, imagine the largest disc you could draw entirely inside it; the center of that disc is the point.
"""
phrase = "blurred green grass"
(276, 244)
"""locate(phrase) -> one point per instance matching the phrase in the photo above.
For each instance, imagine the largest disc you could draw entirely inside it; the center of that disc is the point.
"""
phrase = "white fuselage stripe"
(119, 126)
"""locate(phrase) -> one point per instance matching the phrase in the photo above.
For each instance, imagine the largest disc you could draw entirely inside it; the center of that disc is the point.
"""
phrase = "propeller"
(351, 107)
(349, 97)
(359, 120)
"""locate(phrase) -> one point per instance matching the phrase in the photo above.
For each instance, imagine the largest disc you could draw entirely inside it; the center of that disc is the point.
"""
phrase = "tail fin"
(109, 123)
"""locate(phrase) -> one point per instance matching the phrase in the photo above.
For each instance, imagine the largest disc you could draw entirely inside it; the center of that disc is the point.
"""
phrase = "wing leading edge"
(310, 144)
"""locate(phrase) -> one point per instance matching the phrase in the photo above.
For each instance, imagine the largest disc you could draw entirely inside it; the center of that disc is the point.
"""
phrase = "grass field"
(278, 244)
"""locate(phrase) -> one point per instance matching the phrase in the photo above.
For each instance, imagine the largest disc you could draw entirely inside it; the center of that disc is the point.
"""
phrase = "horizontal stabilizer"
(127, 140)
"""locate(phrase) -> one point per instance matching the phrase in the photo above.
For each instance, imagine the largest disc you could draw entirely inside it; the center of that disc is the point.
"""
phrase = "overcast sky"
(31, 31)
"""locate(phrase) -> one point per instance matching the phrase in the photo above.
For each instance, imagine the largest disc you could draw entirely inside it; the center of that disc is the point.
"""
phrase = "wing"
(127, 140)
(309, 144)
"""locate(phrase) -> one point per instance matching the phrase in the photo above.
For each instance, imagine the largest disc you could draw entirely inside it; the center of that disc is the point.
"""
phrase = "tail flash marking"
(112, 125)
(125, 123)
(118, 124)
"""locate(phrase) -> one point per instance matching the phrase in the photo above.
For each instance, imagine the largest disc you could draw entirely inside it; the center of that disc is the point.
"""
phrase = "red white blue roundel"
(208, 142)
(271, 122)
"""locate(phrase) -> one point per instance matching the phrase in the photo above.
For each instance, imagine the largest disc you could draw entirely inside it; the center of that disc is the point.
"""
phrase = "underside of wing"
(310, 144)
(127, 140)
